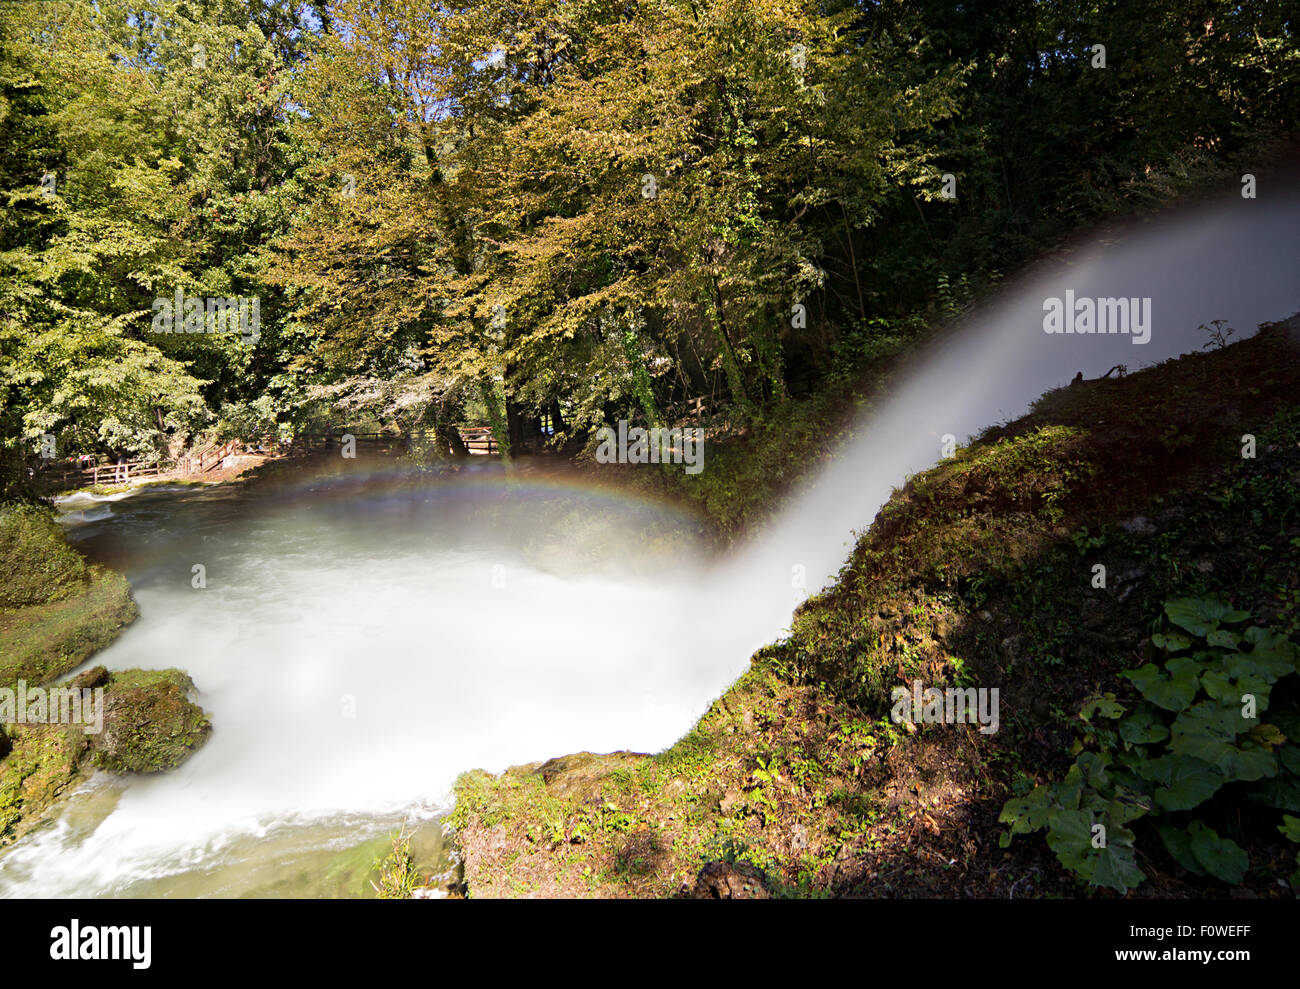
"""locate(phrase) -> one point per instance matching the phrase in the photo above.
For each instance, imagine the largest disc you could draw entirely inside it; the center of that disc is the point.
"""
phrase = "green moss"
(121, 680)
(150, 724)
(42, 762)
(38, 564)
(61, 611)
(44, 641)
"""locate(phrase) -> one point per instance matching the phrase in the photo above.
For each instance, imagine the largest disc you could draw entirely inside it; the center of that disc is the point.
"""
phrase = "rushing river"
(362, 638)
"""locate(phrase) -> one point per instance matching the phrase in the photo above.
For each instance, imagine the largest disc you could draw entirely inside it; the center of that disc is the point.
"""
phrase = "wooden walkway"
(209, 457)
(479, 440)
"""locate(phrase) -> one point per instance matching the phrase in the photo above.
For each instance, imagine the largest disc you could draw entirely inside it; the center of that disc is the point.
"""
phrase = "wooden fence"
(67, 477)
(477, 439)
(208, 458)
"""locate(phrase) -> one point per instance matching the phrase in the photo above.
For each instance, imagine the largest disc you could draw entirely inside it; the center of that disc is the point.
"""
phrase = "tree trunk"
(499, 425)
(449, 439)
(729, 362)
(516, 426)
(557, 417)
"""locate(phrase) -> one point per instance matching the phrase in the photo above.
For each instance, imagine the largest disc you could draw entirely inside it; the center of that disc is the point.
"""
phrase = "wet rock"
(96, 676)
(581, 775)
(1127, 581)
(1139, 525)
(730, 881)
(150, 724)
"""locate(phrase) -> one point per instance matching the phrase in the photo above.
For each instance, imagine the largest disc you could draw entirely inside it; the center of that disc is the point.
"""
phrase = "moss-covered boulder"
(56, 609)
(150, 723)
(43, 641)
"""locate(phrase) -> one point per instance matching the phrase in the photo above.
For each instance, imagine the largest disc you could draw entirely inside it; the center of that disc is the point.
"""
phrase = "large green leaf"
(1250, 764)
(1030, 812)
(1115, 866)
(1191, 782)
(1106, 706)
(1200, 616)
(1204, 731)
(1208, 731)
(1272, 654)
(1069, 835)
(1179, 845)
(1092, 767)
(1290, 827)
(1170, 641)
(1228, 688)
(1128, 805)
(1221, 638)
(1143, 726)
(1173, 691)
(1222, 858)
(1157, 770)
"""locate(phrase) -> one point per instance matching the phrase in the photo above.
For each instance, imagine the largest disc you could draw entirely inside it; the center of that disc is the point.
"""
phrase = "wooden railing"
(209, 457)
(63, 478)
(477, 439)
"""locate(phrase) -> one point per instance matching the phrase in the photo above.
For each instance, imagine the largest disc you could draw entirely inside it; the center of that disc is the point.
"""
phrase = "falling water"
(361, 640)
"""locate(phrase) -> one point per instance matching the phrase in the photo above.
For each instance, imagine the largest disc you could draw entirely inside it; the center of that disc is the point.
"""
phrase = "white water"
(387, 604)
(1230, 258)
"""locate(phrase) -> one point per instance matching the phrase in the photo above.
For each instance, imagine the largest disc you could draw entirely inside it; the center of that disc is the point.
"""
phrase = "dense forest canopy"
(493, 212)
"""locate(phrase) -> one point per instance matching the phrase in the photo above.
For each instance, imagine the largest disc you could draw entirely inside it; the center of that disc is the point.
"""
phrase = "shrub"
(1197, 729)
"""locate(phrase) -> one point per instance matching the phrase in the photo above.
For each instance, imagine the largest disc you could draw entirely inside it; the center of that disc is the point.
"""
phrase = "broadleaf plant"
(1197, 728)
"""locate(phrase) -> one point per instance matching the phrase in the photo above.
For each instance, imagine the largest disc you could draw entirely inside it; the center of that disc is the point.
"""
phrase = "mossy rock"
(38, 564)
(44, 641)
(96, 676)
(40, 763)
(150, 724)
(55, 611)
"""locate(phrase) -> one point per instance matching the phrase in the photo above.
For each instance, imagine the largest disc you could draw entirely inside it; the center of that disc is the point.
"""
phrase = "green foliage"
(397, 875)
(427, 198)
(37, 563)
(1196, 730)
(247, 421)
(1290, 828)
